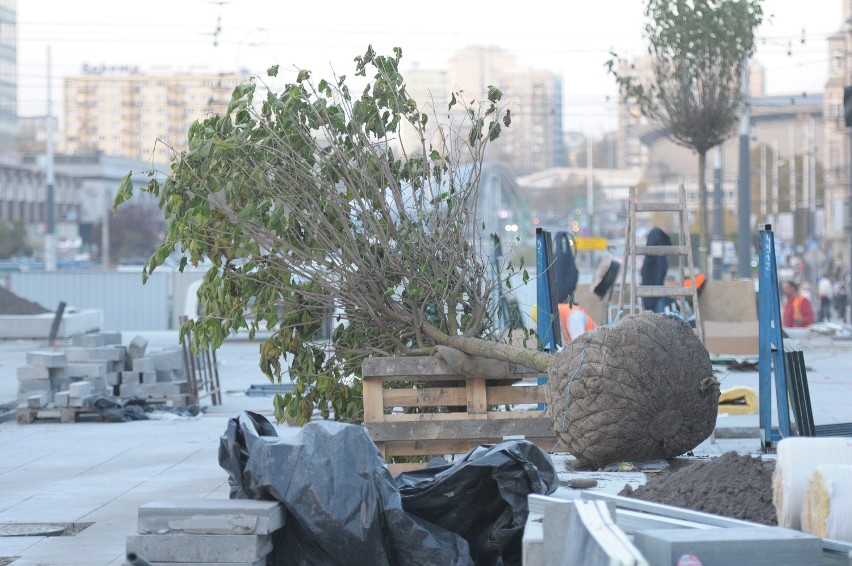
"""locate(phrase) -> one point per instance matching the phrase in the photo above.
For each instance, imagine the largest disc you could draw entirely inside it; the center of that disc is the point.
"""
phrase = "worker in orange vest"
(798, 311)
(575, 321)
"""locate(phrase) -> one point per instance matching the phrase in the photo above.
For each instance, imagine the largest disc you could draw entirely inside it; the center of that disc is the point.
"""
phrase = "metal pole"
(590, 184)
(50, 235)
(744, 247)
(718, 229)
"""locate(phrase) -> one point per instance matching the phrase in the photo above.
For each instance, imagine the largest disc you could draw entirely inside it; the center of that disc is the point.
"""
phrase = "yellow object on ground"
(826, 505)
(738, 401)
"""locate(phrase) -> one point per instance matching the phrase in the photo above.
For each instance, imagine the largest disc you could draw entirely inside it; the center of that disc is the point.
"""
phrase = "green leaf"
(272, 71)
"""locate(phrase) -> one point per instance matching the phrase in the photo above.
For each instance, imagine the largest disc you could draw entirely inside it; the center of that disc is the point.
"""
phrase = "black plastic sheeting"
(345, 507)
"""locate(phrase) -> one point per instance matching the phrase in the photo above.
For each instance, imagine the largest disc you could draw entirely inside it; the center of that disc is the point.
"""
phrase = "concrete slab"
(46, 359)
(200, 548)
(755, 546)
(37, 327)
(211, 516)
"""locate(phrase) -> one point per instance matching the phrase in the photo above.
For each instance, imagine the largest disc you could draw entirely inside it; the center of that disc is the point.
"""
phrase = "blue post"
(769, 331)
(545, 317)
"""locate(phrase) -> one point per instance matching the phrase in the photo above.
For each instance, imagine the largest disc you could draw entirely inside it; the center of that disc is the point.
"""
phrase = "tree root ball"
(641, 389)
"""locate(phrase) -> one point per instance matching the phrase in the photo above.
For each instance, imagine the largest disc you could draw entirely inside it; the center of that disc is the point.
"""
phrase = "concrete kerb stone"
(46, 359)
(136, 348)
(200, 548)
(80, 389)
(33, 372)
(736, 545)
(211, 516)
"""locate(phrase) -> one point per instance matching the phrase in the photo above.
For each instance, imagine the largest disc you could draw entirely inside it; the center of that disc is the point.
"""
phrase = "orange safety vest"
(565, 312)
(797, 310)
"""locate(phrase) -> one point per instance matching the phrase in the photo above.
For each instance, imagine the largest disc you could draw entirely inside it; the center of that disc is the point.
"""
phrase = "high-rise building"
(8, 81)
(119, 111)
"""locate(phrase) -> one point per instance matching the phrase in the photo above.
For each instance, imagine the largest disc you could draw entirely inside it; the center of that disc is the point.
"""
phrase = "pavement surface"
(98, 473)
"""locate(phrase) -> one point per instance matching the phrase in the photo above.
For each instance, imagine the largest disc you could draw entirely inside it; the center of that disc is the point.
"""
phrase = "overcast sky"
(572, 38)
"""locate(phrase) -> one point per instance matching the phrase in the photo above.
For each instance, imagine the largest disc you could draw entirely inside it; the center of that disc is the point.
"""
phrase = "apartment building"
(120, 111)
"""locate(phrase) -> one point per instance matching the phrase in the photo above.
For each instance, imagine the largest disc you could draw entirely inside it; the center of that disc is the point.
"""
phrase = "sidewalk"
(100, 473)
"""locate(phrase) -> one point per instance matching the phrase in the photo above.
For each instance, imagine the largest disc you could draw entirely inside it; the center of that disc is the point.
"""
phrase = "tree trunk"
(534, 359)
(704, 234)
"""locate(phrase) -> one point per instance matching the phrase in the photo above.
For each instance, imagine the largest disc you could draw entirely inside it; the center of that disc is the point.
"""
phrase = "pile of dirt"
(739, 487)
(11, 304)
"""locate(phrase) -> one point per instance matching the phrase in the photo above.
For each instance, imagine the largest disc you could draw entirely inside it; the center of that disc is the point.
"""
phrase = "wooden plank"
(657, 206)
(373, 408)
(396, 469)
(661, 250)
(515, 395)
(425, 397)
(663, 291)
(443, 447)
(540, 427)
(418, 368)
(477, 406)
(423, 417)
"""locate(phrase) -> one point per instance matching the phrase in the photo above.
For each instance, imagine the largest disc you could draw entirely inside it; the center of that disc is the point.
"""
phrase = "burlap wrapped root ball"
(641, 389)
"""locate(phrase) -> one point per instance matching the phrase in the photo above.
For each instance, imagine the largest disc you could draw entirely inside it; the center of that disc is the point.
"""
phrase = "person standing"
(798, 311)
(824, 289)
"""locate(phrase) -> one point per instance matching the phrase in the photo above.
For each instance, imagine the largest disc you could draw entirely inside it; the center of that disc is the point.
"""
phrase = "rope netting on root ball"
(640, 389)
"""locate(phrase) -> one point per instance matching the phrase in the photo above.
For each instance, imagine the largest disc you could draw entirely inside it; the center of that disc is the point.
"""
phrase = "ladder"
(683, 251)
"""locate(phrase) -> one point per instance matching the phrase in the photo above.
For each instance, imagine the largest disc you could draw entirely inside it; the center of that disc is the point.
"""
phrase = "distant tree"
(136, 230)
(13, 240)
(698, 50)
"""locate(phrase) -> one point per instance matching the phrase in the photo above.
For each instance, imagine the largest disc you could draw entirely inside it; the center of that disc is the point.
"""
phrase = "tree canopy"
(306, 203)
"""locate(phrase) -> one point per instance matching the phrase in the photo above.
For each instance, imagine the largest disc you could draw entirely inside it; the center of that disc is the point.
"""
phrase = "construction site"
(702, 434)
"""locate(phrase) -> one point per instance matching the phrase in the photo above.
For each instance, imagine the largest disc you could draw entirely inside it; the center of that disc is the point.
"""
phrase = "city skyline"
(571, 40)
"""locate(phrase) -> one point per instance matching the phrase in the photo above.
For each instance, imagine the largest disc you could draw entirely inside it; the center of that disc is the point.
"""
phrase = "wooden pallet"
(446, 413)
(28, 415)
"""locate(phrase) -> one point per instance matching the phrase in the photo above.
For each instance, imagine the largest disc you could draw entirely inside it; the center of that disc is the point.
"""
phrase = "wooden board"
(425, 397)
(27, 415)
(539, 427)
(419, 368)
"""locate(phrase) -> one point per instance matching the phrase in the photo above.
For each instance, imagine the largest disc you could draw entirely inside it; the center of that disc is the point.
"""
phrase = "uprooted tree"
(305, 206)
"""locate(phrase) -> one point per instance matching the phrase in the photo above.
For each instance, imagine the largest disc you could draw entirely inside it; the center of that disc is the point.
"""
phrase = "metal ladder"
(683, 251)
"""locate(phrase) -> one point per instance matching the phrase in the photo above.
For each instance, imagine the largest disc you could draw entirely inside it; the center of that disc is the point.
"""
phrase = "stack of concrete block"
(98, 364)
(150, 375)
(237, 532)
(40, 378)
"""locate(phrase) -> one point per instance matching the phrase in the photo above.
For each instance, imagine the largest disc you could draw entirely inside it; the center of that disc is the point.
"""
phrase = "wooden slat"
(662, 291)
(419, 368)
(422, 417)
(515, 395)
(540, 427)
(477, 406)
(373, 409)
(425, 397)
(396, 469)
(661, 250)
(657, 206)
(444, 447)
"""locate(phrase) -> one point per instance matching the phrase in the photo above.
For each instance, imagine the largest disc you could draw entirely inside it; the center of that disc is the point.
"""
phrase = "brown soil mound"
(731, 485)
(10, 303)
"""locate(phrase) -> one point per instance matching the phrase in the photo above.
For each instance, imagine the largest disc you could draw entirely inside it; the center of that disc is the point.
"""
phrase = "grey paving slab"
(200, 548)
(211, 516)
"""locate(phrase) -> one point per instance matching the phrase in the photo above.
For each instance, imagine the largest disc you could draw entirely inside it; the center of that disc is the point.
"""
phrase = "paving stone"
(211, 516)
(168, 359)
(101, 353)
(130, 378)
(37, 401)
(33, 372)
(80, 369)
(165, 376)
(200, 548)
(23, 398)
(755, 546)
(136, 348)
(80, 389)
(60, 399)
(112, 378)
(46, 359)
(143, 364)
(149, 377)
(25, 385)
(144, 391)
(96, 339)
